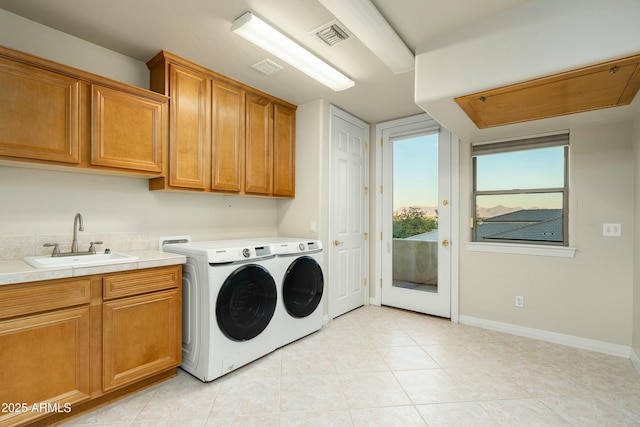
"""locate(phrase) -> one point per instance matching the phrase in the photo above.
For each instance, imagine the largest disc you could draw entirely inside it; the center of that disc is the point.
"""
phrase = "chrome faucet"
(74, 243)
(78, 225)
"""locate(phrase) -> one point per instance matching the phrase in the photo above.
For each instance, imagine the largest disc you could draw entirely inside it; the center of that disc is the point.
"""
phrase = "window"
(520, 192)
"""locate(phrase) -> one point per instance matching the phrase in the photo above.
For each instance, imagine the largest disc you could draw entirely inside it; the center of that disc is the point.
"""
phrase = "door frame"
(397, 128)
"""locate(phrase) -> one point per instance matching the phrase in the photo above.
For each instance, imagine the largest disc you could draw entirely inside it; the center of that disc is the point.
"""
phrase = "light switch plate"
(611, 230)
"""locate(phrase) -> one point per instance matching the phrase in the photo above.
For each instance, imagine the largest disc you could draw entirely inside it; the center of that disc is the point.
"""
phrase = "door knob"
(337, 243)
(445, 243)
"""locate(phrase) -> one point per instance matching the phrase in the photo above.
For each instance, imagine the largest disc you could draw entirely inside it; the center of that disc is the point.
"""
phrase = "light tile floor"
(378, 366)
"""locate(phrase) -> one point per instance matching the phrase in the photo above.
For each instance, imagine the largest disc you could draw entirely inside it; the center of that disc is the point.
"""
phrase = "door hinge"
(366, 236)
(364, 283)
(381, 235)
(380, 283)
(470, 222)
(366, 145)
(381, 189)
(381, 142)
(366, 190)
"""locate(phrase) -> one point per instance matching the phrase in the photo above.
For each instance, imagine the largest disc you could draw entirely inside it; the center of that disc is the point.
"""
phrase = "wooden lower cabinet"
(70, 345)
(44, 364)
(141, 337)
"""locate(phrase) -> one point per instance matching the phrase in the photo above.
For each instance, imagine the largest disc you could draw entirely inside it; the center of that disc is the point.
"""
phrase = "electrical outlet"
(611, 230)
(520, 301)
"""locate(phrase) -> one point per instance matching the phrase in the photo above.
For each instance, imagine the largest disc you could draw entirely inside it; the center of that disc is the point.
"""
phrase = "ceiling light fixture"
(268, 38)
(367, 23)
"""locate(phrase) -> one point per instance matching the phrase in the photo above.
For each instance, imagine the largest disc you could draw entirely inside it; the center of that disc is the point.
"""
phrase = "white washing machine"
(300, 282)
(229, 304)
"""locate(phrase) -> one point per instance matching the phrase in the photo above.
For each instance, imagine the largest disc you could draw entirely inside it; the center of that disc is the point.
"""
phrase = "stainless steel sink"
(47, 261)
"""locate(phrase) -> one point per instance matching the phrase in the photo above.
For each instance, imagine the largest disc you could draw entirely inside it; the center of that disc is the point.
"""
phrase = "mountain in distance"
(496, 211)
(431, 211)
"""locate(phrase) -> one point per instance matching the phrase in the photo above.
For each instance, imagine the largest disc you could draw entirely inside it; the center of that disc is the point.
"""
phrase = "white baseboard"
(635, 359)
(554, 337)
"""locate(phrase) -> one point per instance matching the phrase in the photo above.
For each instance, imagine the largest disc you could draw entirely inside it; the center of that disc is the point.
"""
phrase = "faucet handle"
(56, 249)
(92, 248)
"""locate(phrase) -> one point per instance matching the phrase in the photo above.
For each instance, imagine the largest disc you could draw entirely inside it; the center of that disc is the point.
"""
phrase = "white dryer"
(229, 305)
(300, 282)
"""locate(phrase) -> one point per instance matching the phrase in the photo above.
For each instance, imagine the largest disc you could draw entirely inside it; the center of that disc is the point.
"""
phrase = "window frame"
(514, 145)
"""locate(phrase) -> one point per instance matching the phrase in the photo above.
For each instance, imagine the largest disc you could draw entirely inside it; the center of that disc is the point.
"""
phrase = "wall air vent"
(267, 67)
(332, 33)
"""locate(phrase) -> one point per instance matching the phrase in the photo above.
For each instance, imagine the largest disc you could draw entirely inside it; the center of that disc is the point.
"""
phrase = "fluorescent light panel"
(268, 38)
(367, 23)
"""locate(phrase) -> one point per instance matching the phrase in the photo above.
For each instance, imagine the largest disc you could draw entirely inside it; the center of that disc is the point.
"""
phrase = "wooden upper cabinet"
(51, 113)
(284, 151)
(228, 137)
(189, 128)
(259, 145)
(128, 130)
(242, 138)
(39, 114)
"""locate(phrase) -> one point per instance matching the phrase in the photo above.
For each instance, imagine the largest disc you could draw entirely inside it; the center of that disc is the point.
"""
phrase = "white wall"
(297, 215)
(541, 38)
(589, 296)
(36, 39)
(44, 202)
(312, 182)
(636, 251)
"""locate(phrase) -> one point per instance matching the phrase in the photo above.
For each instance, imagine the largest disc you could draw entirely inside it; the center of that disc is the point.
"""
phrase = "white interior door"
(348, 213)
(416, 244)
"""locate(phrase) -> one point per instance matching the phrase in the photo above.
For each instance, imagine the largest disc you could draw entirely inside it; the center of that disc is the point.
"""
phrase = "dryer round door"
(246, 302)
(302, 287)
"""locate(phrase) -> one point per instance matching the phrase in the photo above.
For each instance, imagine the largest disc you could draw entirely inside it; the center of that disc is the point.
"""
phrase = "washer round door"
(246, 302)
(303, 286)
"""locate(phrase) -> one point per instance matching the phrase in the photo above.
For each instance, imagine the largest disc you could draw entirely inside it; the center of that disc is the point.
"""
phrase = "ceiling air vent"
(332, 33)
(267, 67)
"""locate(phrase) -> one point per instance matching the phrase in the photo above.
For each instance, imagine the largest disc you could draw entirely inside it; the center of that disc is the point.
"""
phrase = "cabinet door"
(44, 359)
(190, 128)
(284, 152)
(259, 145)
(128, 130)
(39, 114)
(227, 163)
(141, 337)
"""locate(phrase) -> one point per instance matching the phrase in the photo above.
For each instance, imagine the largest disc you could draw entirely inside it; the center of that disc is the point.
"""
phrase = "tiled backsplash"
(20, 246)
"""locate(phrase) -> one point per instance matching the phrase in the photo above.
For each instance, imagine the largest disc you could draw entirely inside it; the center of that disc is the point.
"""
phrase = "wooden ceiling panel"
(606, 85)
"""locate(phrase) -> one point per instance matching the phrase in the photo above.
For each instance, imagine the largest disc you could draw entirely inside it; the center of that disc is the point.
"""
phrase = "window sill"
(515, 248)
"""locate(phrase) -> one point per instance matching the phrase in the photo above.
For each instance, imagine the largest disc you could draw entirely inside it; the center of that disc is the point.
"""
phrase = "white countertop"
(18, 271)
